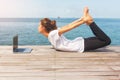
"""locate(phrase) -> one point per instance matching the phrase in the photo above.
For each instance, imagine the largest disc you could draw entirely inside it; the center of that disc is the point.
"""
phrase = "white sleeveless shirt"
(63, 44)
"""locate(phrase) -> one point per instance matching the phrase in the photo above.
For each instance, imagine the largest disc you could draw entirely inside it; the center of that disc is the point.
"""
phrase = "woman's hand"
(85, 19)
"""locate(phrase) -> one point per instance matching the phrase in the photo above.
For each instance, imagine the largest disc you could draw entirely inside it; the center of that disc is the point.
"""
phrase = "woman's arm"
(76, 21)
(71, 26)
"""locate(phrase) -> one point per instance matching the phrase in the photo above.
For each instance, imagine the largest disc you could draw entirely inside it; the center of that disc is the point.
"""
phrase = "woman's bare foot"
(86, 16)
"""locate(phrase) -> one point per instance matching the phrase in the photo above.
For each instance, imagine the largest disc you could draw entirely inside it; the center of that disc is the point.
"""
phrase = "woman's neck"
(45, 33)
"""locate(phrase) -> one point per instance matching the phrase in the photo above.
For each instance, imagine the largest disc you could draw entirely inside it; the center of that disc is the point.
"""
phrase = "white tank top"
(63, 44)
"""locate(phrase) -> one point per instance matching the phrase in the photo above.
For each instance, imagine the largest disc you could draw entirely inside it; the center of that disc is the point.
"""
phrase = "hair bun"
(53, 22)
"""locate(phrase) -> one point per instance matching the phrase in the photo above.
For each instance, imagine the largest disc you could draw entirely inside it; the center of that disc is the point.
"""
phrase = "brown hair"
(48, 24)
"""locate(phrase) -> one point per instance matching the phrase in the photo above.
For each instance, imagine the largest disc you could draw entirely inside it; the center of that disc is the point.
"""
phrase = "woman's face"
(40, 28)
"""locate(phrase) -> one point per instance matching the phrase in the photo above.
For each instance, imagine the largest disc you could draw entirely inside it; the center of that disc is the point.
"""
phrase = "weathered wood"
(45, 63)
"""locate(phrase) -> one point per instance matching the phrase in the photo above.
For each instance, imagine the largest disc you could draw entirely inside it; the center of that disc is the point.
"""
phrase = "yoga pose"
(49, 29)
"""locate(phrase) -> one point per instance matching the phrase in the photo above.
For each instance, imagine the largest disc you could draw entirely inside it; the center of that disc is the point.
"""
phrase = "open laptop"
(15, 46)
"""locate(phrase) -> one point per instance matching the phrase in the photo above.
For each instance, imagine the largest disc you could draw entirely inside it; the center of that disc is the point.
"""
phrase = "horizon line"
(55, 17)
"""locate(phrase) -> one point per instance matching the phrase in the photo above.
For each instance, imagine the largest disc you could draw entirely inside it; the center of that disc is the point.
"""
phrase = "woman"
(49, 29)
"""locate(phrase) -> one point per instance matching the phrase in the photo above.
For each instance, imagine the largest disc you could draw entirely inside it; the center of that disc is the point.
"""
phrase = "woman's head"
(48, 24)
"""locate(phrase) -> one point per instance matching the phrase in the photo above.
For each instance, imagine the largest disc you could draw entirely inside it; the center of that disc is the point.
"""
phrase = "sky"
(61, 8)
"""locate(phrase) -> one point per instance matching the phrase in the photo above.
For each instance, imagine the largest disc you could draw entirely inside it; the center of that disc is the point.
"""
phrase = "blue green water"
(26, 28)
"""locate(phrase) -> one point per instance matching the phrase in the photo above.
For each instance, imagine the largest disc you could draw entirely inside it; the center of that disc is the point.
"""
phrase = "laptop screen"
(15, 42)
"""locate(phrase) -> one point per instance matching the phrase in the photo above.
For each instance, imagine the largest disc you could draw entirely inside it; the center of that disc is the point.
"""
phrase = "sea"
(27, 30)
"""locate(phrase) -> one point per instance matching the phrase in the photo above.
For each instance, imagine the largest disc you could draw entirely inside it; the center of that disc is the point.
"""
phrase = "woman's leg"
(100, 39)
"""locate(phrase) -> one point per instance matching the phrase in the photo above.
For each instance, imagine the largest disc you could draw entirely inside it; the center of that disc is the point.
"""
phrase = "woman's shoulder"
(53, 32)
(53, 35)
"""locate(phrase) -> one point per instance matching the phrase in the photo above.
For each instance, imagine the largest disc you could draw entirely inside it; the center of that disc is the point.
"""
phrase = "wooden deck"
(44, 63)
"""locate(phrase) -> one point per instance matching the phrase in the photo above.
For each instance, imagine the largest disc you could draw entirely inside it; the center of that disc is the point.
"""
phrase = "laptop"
(15, 46)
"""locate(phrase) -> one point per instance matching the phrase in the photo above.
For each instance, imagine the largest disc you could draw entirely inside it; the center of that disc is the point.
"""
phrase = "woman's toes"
(86, 10)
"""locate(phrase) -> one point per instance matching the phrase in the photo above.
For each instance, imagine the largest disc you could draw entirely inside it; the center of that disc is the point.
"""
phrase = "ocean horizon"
(27, 30)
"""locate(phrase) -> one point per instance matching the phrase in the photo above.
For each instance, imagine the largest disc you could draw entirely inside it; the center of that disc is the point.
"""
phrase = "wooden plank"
(87, 78)
(27, 74)
(56, 67)
(27, 78)
(115, 68)
(45, 63)
(112, 61)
